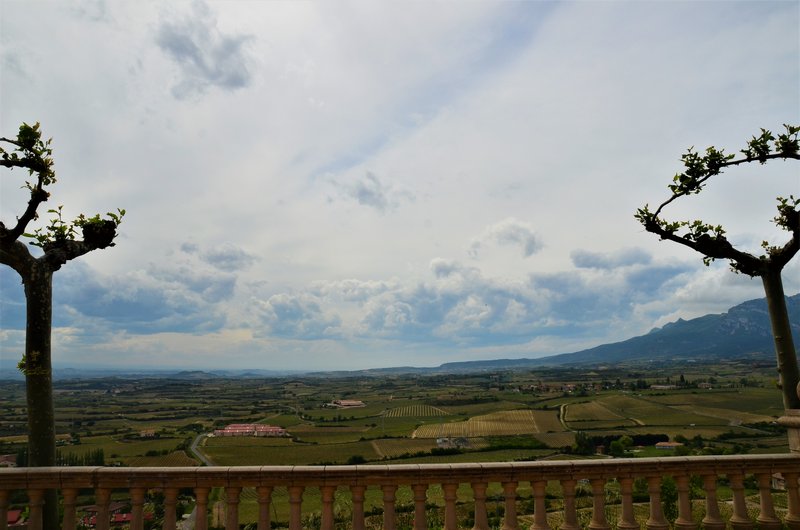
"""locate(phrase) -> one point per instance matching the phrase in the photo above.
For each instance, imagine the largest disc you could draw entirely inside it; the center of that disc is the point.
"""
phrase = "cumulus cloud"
(146, 301)
(609, 260)
(297, 316)
(205, 56)
(350, 290)
(508, 232)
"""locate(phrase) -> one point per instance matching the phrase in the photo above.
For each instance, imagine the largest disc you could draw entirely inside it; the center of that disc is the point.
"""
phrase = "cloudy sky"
(342, 185)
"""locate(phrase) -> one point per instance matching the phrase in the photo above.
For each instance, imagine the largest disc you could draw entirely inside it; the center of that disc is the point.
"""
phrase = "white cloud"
(508, 232)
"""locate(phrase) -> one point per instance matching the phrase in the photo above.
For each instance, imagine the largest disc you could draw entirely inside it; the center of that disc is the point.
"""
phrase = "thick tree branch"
(57, 254)
(17, 256)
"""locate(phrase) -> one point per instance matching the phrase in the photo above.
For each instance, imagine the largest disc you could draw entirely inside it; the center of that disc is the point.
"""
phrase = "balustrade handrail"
(376, 474)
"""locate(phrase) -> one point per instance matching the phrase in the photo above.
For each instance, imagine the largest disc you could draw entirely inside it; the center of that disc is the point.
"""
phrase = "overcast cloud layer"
(343, 185)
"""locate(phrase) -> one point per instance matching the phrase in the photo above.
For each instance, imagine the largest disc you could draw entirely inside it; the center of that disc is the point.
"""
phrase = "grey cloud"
(206, 58)
(296, 316)
(189, 248)
(372, 192)
(443, 268)
(607, 260)
(508, 232)
(228, 258)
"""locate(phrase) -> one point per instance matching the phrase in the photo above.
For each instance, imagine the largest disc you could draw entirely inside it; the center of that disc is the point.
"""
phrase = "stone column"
(264, 499)
(70, 495)
(510, 518)
(450, 522)
(232, 507)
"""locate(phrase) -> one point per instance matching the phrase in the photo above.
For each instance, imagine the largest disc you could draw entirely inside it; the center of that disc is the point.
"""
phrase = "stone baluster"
(102, 497)
(170, 505)
(739, 520)
(656, 521)
(389, 497)
(420, 496)
(481, 517)
(792, 519)
(570, 511)
(539, 488)
(232, 507)
(767, 520)
(712, 520)
(627, 521)
(35, 505)
(450, 520)
(328, 496)
(295, 507)
(70, 496)
(357, 496)
(599, 521)
(137, 509)
(510, 495)
(264, 495)
(684, 520)
(201, 508)
(4, 509)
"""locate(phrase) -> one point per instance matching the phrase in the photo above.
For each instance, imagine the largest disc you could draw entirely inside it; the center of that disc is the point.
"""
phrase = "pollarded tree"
(710, 240)
(59, 242)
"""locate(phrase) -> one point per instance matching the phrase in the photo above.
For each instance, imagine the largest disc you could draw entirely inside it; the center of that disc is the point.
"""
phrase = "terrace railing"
(386, 479)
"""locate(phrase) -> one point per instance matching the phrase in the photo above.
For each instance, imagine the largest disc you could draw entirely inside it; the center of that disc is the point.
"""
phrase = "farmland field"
(416, 411)
(501, 423)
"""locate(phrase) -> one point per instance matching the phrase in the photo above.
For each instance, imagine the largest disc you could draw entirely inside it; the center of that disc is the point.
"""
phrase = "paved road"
(197, 453)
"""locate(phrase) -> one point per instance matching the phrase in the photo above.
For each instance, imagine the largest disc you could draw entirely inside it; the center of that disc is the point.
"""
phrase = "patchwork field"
(503, 423)
(416, 411)
(482, 416)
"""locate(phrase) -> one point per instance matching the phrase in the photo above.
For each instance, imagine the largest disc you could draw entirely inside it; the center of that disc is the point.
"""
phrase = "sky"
(325, 185)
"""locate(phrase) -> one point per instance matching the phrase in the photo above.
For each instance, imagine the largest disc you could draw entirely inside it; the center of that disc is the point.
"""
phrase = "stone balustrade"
(386, 479)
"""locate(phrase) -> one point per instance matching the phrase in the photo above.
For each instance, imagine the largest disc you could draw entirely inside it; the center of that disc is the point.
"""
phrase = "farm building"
(347, 403)
(250, 429)
(668, 446)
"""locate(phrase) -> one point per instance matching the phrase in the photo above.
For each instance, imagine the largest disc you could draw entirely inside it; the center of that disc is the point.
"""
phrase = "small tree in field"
(59, 242)
(710, 241)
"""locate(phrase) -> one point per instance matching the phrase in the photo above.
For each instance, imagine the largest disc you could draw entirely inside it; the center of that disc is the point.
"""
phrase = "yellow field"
(393, 447)
(733, 417)
(418, 411)
(591, 411)
(503, 423)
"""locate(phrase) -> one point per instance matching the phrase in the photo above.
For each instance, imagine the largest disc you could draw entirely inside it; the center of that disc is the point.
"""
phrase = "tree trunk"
(782, 334)
(39, 380)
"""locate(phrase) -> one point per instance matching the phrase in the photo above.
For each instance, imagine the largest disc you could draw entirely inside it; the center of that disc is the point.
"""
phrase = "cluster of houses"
(251, 429)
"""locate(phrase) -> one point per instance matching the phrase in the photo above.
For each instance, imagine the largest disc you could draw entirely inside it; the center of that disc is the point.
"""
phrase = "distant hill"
(744, 331)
